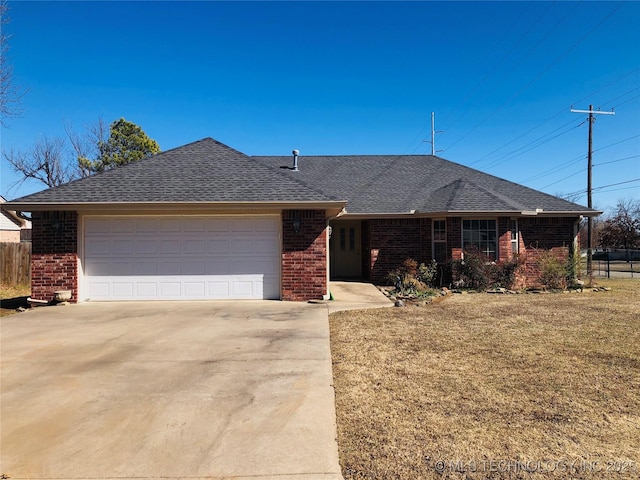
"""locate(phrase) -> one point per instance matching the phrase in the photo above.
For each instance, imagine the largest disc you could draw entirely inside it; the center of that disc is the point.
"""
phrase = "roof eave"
(475, 213)
(332, 207)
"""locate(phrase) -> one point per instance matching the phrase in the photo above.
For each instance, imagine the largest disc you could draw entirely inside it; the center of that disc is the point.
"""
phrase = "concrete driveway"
(168, 390)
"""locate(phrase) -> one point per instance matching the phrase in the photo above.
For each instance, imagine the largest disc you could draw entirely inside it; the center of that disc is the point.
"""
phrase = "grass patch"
(545, 382)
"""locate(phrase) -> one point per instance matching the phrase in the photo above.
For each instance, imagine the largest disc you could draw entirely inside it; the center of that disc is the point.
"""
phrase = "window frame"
(515, 239)
(438, 241)
(496, 242)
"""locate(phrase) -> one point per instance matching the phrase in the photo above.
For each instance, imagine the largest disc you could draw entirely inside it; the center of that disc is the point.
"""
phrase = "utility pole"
(433, 134)
(592, 119)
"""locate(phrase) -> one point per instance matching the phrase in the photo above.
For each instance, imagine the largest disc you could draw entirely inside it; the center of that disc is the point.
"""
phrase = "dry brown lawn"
(491, 387)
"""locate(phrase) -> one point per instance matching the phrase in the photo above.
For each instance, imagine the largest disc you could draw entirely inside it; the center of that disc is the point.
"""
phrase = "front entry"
(346, 249)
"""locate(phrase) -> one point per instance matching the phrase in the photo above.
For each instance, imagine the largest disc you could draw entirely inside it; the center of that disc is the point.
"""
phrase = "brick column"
(454, 237)
(54, 255)
(304, 255)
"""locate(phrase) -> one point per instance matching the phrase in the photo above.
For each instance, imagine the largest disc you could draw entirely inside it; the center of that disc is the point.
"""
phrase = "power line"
(500, 62)
(627, 101)
(537, 77)
(605, 186)
(563, 110)
(532, 145)
(562, 179)
(616, 143)
(615, 161)
(554, 170)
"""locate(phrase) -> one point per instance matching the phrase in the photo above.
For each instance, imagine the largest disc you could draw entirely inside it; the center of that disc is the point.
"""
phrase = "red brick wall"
(304, 255)
(454, 237)
(54, 259)
(505, 251)
(393, 240)
(539, 234)
(529, 273)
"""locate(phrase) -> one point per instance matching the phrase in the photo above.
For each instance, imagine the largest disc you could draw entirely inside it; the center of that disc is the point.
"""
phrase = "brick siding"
(541, 234)
(54, 257)
(304, 255)
(391, 241)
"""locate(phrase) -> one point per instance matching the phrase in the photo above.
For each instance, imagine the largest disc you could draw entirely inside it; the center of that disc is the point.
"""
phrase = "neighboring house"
(206, 221)
(13, 228)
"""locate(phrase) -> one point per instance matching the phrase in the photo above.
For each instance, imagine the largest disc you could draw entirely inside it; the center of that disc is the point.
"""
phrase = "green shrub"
(409, 278)
(478, 271)
(428, 273)
(554, 272)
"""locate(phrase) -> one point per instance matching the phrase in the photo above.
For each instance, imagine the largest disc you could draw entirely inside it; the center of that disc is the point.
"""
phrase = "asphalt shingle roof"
(424, 183)
(203, 171)
(209, 171)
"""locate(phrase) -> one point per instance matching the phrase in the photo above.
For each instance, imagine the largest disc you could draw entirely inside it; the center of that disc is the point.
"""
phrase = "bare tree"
(45, 161)
(622, 228)
(10, 93)
(87, 144)
(57, 160)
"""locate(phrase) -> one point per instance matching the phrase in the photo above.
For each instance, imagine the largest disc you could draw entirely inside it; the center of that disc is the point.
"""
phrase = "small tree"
(57, 160)
(127, 143)
(622, 228)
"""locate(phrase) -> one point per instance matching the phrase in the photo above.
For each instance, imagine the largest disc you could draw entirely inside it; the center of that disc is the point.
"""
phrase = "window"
(514, 236)
(481, 235)
(343, 238)
(440, 241)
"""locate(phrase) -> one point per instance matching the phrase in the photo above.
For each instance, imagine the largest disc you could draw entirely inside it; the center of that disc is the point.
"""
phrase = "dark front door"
(346, 249)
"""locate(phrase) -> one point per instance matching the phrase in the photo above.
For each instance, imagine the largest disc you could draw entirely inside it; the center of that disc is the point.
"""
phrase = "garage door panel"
(98, 268)
(182, 258)
(193, 268)
(144, 267)
(194, 246)
(123, 290)
(195, 289)
(146, 290)
(146, 247)
(122, 247)
(97, 247)
(170, 289)
(122, 268)
(171, 246)
(217, 246)
(124, 226)
(170, 267)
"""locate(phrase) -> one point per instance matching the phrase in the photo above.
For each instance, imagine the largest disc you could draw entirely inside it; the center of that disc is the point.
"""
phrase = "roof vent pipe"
(295, 160)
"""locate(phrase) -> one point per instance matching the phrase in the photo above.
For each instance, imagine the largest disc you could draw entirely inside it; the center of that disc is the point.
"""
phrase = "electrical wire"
(596, 189)
(563, 110)
(537, 77)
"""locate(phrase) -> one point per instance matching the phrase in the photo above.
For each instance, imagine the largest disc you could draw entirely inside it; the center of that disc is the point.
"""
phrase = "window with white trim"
(514, 236)
(439, 236)
(480, 235)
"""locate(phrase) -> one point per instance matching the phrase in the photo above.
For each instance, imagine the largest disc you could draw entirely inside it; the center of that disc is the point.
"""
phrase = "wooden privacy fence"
(15, 263)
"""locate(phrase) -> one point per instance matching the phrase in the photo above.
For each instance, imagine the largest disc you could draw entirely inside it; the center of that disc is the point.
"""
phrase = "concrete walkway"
(355, 296)
(148, 390)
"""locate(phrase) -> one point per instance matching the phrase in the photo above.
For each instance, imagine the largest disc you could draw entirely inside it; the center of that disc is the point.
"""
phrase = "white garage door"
(180, 258)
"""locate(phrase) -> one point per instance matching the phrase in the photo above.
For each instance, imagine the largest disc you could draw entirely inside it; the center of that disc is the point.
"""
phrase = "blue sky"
(346, 78)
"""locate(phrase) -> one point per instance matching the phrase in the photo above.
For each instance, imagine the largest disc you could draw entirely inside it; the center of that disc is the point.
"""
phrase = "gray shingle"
(424, 183)
(209, 171)
(203, 171)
